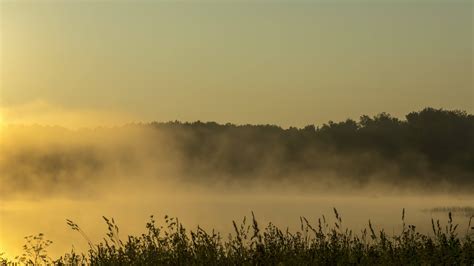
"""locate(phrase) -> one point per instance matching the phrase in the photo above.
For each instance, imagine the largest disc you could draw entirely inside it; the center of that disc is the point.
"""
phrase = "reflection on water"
(209, 210)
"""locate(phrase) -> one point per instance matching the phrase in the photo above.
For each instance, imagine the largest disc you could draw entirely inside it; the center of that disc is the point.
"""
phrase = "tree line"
(431, 148)
(431, 144)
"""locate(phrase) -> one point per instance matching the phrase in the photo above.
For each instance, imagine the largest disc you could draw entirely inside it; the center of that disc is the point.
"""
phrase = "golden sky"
(279, 62)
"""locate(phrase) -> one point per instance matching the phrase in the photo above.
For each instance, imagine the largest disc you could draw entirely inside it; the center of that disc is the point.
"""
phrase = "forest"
(429, 149)
(431, 145)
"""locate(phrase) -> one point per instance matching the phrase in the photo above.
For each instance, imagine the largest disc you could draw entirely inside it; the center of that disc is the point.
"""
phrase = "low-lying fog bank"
(390, 157)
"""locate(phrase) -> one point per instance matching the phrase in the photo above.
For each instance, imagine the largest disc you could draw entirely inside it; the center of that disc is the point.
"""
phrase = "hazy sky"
(281, 62)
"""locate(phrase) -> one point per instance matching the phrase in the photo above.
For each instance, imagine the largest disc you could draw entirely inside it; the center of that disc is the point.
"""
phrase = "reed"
(250, 244)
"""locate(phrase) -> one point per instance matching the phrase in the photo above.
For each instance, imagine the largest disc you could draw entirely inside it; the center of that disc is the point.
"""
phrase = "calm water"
(209, 209)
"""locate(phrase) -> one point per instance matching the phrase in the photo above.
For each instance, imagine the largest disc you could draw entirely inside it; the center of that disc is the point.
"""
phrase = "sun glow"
(2, 251)
(1, 120)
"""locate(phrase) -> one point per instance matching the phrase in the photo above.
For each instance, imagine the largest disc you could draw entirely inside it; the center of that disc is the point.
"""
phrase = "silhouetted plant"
(35, 250)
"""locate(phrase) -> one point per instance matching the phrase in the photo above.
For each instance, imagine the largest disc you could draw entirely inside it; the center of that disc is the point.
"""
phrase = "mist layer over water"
(49, 175)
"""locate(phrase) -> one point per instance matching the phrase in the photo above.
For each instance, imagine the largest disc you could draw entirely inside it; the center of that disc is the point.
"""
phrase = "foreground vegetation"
(319, 244)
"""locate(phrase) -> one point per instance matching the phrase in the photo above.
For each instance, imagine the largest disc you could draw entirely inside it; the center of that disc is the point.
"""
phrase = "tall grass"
(250, 244)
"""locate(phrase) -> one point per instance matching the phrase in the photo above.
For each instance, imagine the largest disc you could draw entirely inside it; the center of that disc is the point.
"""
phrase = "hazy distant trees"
(432, 143)
(427, 148)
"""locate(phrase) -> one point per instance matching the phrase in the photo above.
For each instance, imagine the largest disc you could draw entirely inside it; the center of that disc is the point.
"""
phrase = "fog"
(50, 174)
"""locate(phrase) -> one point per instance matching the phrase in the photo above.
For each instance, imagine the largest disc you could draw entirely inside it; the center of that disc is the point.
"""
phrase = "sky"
(290, 63)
